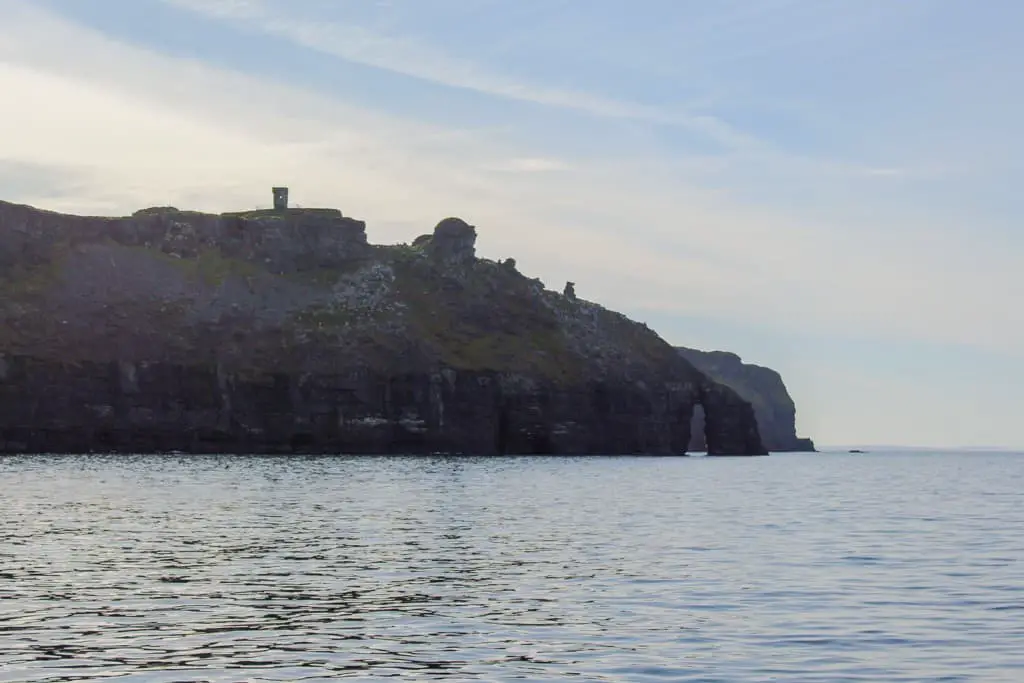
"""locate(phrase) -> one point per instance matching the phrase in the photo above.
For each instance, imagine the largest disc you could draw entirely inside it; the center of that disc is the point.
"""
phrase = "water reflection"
(274, 569)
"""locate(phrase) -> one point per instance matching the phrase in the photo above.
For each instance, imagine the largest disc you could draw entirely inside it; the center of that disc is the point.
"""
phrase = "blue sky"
(827, 187)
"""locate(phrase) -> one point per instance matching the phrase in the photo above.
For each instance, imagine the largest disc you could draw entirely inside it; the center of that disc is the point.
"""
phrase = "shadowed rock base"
(158, 407)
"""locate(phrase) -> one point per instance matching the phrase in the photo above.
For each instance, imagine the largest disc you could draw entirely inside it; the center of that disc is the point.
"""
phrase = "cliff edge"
(285, 331)
(762, 387)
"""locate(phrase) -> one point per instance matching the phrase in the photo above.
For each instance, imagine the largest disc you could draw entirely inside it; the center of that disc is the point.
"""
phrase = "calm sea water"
(877, 567)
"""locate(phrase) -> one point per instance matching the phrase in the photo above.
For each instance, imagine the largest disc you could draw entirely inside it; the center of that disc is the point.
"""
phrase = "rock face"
(285, 331)
(453, 242)
(762, 387)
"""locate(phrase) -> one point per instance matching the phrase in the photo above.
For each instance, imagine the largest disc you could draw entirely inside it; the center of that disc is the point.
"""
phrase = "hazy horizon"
(920, 448)
(827, 188)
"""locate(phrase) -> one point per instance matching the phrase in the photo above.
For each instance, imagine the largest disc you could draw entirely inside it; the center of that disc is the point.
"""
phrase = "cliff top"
(297, 288)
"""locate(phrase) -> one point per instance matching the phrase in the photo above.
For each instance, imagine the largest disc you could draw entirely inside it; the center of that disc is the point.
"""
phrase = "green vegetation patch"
(21, 282)
(331, 317)
(257, 213)
(485, 319)
(212, 267)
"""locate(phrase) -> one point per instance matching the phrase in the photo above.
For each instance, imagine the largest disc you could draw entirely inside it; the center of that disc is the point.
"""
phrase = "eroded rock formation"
(762, 387)
(453, 242)
(285, 331)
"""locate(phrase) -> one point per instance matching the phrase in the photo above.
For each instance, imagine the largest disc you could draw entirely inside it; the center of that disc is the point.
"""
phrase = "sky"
(826, 187)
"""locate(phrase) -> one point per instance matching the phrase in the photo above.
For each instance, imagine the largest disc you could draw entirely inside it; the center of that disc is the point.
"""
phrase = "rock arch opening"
(728, 427)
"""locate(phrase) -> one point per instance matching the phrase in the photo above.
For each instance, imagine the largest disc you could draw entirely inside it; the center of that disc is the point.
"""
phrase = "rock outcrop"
(453, 242)
(286, 331)
(762, 387)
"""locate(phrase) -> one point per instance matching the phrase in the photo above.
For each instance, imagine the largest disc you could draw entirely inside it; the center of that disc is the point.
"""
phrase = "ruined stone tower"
(280, 198)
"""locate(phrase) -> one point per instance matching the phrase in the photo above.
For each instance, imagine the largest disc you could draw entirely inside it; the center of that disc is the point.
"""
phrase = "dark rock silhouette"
(285, 331)
(762, 387)
(453, 242)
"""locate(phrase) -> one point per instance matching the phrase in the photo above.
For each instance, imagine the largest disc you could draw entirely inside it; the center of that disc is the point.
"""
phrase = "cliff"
(286, 331)
(762, 387)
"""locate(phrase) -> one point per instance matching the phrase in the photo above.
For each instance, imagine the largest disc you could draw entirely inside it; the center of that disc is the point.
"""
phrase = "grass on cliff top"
(399, 253)
(255, 213)
(644, 345)
(485, 317)
(20, 282)
(279, 213)
(211, 266)
(488, 319)
(329, 317)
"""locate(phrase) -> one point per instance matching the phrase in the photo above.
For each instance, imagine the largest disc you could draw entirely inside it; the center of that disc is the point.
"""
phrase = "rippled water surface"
(790, 568)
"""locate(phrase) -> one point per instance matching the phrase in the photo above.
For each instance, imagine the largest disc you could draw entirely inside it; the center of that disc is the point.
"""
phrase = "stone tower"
(280, 198)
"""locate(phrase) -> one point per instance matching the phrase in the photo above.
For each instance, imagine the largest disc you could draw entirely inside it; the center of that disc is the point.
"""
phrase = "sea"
(825, 567)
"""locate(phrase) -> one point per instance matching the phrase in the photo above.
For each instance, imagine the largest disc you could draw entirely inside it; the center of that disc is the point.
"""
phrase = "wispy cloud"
(405, 55)
(530, 165)
(885, 172)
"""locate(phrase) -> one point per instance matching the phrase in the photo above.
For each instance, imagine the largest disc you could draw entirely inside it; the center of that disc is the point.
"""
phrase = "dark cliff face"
(762, 387)
(285, 331)
(141, 407)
